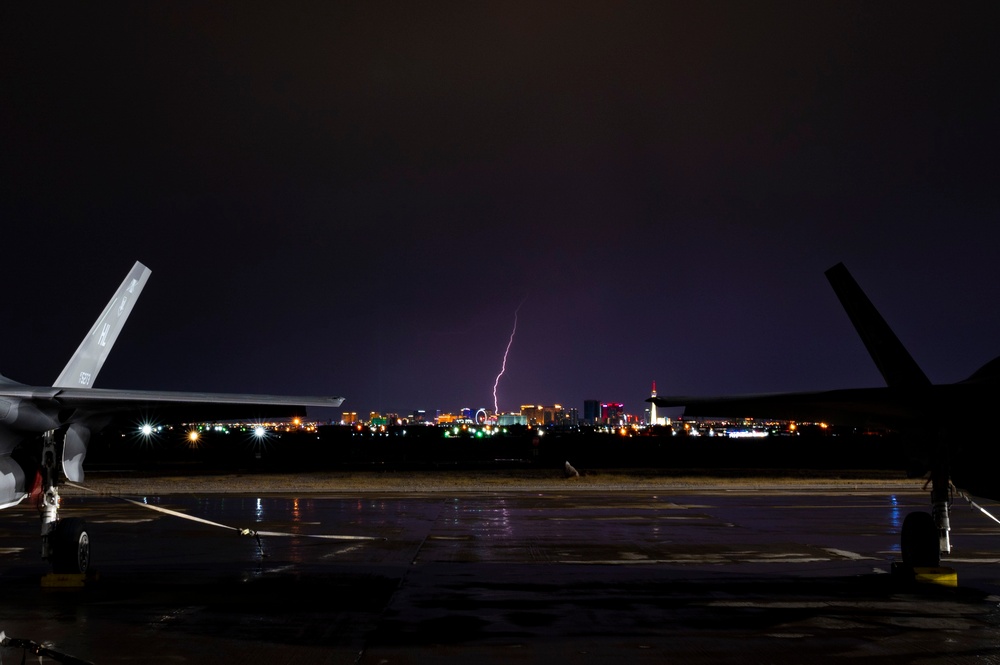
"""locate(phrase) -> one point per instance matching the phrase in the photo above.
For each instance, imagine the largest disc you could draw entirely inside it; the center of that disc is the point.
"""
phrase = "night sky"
(354, 198)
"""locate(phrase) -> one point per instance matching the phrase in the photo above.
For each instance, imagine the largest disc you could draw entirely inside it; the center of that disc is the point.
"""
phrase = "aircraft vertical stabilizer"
(892, 359)
(82, 368)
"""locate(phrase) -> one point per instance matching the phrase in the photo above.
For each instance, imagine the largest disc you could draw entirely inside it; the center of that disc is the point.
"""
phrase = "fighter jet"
(44, 431)
(907, 404)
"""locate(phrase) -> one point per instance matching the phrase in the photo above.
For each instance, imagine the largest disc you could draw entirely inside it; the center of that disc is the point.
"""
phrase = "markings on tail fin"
(82, 368)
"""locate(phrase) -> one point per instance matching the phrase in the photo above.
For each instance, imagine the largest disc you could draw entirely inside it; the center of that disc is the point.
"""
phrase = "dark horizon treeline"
(398, 448)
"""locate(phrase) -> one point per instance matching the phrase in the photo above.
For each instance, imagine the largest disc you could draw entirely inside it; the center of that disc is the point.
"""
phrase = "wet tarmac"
(699, 576)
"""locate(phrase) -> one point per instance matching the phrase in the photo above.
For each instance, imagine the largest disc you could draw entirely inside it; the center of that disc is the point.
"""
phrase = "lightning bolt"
(503, 366)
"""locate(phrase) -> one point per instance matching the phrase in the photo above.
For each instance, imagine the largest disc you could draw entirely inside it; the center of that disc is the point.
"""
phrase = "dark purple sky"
(353, 198)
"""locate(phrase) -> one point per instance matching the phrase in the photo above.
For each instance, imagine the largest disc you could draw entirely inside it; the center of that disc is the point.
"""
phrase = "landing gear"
(65, 542)
(928, 535)
(941, 508)
(920, 546)
(69, 547)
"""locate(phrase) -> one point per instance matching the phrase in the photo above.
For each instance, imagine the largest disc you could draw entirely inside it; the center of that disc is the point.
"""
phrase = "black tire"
(920, 544)
(70, 545)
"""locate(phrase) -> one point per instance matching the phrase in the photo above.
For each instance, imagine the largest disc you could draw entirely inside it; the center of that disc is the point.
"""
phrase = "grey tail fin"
(82, 368)
(892, 359)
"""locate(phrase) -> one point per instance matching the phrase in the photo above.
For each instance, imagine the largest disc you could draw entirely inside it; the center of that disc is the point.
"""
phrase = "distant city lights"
(598, 417)
(751, 434)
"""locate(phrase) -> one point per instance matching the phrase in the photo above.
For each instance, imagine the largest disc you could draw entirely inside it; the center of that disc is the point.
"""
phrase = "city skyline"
(593, 411)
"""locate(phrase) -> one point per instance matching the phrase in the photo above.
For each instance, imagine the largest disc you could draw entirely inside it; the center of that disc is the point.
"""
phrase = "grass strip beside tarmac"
(335, 482)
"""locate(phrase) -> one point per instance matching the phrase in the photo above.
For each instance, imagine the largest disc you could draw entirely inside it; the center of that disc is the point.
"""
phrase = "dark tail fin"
(892, 359)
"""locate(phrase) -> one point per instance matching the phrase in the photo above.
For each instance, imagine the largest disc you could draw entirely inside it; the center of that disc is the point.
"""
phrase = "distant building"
(542, 414)
(613, 413)
(569, 418)
(349, 417)
(591, 412)
(654, 418)
(509, 419)
(532, 413)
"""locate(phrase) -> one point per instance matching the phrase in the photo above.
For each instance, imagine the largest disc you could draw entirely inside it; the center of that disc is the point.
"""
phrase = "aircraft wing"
(219, 405)
(887, 407)
(22, 400)
(96, 397)
(855, 406)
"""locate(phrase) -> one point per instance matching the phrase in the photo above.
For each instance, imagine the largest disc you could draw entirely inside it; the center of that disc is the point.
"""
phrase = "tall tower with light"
(652, 407)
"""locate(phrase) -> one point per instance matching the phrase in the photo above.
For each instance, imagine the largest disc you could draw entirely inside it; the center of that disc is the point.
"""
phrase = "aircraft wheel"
(70, 547)
(920, 544)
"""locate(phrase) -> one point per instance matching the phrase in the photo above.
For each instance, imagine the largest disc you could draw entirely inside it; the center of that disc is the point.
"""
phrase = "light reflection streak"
(895, 520)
